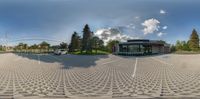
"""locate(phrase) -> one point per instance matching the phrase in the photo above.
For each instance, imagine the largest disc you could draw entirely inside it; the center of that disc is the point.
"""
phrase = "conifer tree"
(86, 41)
(75, 42)
(194, 41)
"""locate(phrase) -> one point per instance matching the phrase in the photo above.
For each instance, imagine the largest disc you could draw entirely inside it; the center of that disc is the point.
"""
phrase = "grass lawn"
(99, 52)
(187, 52)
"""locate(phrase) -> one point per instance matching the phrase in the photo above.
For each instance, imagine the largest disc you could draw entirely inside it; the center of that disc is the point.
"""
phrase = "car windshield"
(99, 49)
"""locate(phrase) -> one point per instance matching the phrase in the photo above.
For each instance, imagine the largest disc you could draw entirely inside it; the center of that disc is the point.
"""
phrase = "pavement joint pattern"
(109, 76)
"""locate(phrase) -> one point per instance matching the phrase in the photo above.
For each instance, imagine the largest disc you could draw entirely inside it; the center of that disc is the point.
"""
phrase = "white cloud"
(151, 25)
(130, 26)
(162, 11)
(137, 17)
(160, 34)
(112, 34)
(164, 27)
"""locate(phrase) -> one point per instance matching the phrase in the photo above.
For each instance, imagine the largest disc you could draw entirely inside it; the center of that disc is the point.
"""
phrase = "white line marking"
(38, 59)
(135, 67)
(161, 61)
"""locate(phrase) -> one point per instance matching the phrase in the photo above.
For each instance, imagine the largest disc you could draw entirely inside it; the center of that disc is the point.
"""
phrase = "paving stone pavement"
(31, 76)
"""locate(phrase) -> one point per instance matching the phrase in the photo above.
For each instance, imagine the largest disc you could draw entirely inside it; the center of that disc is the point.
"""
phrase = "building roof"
(138, 40)
(142, 41)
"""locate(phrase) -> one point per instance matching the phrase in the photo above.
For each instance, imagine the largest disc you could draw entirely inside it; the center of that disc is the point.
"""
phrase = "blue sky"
(169, 20)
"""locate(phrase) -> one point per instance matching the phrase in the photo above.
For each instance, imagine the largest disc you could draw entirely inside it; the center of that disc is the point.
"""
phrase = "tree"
(22, 47)
(78, 43)
(63, 45)
(54, 47)
(75, 42)
(95, 43)
(163, 42)
(111, 44)
(33, 47)
(1, 48)
(86, 41)
(173, 48)
(44, 45)
(178, 45)
(182, 45)
(194, 41)
(101, 44)
(185, 46)
(25, 46)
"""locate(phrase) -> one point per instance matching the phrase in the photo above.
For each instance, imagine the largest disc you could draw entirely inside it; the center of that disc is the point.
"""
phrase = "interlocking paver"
(21, 75)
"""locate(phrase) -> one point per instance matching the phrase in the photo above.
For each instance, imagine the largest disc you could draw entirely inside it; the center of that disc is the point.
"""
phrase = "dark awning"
(142, 43)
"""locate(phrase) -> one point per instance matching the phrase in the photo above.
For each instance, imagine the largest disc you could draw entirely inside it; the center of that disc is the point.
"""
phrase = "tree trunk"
(96, 48)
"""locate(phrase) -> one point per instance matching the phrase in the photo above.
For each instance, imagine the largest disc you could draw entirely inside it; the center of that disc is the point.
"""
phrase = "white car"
(60, 52)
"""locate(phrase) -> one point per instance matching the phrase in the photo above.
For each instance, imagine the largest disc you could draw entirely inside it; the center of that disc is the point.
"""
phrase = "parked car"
(60, 52)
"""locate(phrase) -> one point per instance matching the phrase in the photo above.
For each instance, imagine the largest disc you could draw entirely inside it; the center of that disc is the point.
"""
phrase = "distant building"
(141, 47)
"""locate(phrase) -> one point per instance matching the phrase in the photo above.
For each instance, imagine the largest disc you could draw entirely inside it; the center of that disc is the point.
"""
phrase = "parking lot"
(32, 76)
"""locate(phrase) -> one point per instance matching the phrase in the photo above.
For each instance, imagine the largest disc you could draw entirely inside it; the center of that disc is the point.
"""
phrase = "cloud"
(160, 34)
(130, 26)
(162, 11)
(137, 17)
(151, 25)
(164, 27)
(112, 34)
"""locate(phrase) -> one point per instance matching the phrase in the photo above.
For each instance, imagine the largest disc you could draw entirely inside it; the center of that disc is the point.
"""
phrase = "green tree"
(44, 46)
(95, 43)
(185, 46)
(194, 41)
(161, 41)
(111, 44)
(78, 43)
(54, 47)
(182, 45)
(173, 48)
(75, 42)
(1, 48)
(178, 45)
(22, 47)
(33, 47)
(86, 41)
(63, 45)
(101, 44)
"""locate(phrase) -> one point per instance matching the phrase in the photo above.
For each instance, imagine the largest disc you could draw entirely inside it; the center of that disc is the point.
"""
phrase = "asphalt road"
(32, 76)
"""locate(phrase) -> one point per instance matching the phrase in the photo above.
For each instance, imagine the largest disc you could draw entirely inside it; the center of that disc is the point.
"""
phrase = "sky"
(32, 21)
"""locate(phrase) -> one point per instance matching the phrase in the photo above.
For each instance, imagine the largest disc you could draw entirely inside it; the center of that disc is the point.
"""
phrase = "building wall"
(157, 49)
(167, 49)
(130, 49)
(115, 49)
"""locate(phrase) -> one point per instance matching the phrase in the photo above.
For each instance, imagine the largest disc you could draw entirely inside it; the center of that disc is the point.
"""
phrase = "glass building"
(141, 47)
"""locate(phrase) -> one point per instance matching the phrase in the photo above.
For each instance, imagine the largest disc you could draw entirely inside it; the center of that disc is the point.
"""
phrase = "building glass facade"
(140, 47)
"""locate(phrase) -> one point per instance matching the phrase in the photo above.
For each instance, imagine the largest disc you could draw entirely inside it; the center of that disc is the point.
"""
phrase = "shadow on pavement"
(67, 61)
